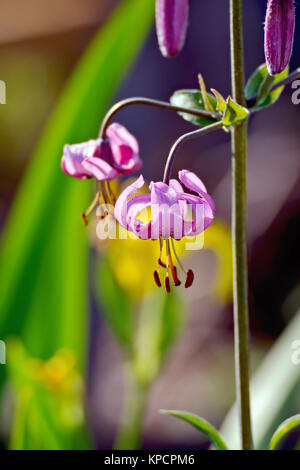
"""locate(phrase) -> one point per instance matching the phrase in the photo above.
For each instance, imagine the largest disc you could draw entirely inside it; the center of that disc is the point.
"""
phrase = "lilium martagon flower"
(171, 25)
(170, 221)
(279, 34)
(103, 159)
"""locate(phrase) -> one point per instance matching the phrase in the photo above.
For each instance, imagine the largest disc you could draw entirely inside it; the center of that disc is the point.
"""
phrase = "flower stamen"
(167, 284)
(111, 194)
(90, 209)
(177, 282)
(167, 279)
(156, 278)
(189, 279)
(189, 273)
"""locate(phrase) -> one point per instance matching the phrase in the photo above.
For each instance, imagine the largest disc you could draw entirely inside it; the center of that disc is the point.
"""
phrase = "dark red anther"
(85, 221)
(167, 284)
(156, 279)
(177, 282)
(163, 265)
(189, 279)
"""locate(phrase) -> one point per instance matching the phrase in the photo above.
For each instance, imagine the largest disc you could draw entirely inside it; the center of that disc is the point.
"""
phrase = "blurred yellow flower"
(218, 239)
(52, 387)
(134, 260)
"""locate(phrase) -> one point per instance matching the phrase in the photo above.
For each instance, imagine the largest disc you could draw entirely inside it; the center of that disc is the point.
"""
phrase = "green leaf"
(193, 99)
(221, 103)
(44, 250)
(287, 426)
(201, 424)
(234, 113)
(208, 106)
(159, 322)
(117, 306)
(253, 86)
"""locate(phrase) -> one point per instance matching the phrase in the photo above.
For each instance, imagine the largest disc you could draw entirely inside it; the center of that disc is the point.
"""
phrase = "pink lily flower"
(171, 25)
(169, 216)
(104, 159)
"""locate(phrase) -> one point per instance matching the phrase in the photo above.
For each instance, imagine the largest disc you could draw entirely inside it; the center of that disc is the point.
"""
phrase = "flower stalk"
(182, 140)
(155, 104)
(239, 215)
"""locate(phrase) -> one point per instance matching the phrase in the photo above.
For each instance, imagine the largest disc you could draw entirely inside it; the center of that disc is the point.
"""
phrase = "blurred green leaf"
(284, 428)
(44, 251)
(278, 376)
(254, 84)
(234, 114)
(193, 99)
(159, 322)
(201, 424)
(43, 393)
(44, 248)
(117, 306)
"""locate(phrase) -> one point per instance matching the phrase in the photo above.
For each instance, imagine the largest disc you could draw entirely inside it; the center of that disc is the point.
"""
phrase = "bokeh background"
(84, 373)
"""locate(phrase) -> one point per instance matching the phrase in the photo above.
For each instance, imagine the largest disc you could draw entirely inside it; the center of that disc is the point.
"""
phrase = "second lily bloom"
(104, 159)
(279, 34)
(174, 214)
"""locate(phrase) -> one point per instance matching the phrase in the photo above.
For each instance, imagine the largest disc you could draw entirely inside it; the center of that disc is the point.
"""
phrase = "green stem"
(130, 431)
(239, 211)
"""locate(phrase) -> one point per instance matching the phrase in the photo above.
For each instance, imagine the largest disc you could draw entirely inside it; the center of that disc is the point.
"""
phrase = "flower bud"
(171, 25)
(279, 34)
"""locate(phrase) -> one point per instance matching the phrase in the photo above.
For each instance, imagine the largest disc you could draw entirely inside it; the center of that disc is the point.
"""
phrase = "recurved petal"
(194, 183)
(191, 181)
(73, 157)
(124, 149)
(121, 207)
(134, 207)
(99, 168)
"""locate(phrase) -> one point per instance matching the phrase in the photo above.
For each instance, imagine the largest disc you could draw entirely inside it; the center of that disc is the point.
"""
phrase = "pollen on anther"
(177, 281)
(163, 265)
(189, 278)
(156, 279)
(85, 221)
(167, 284)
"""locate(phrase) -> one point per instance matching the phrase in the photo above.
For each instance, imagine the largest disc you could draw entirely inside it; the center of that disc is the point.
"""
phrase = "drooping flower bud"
(171, 25)
(279, 34)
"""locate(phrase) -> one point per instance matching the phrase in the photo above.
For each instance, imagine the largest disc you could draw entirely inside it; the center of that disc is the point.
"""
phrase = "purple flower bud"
(279, 34)
(171, 25)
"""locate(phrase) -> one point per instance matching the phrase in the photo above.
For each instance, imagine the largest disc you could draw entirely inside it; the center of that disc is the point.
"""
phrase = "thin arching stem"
(182, 140)
(155, 104)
